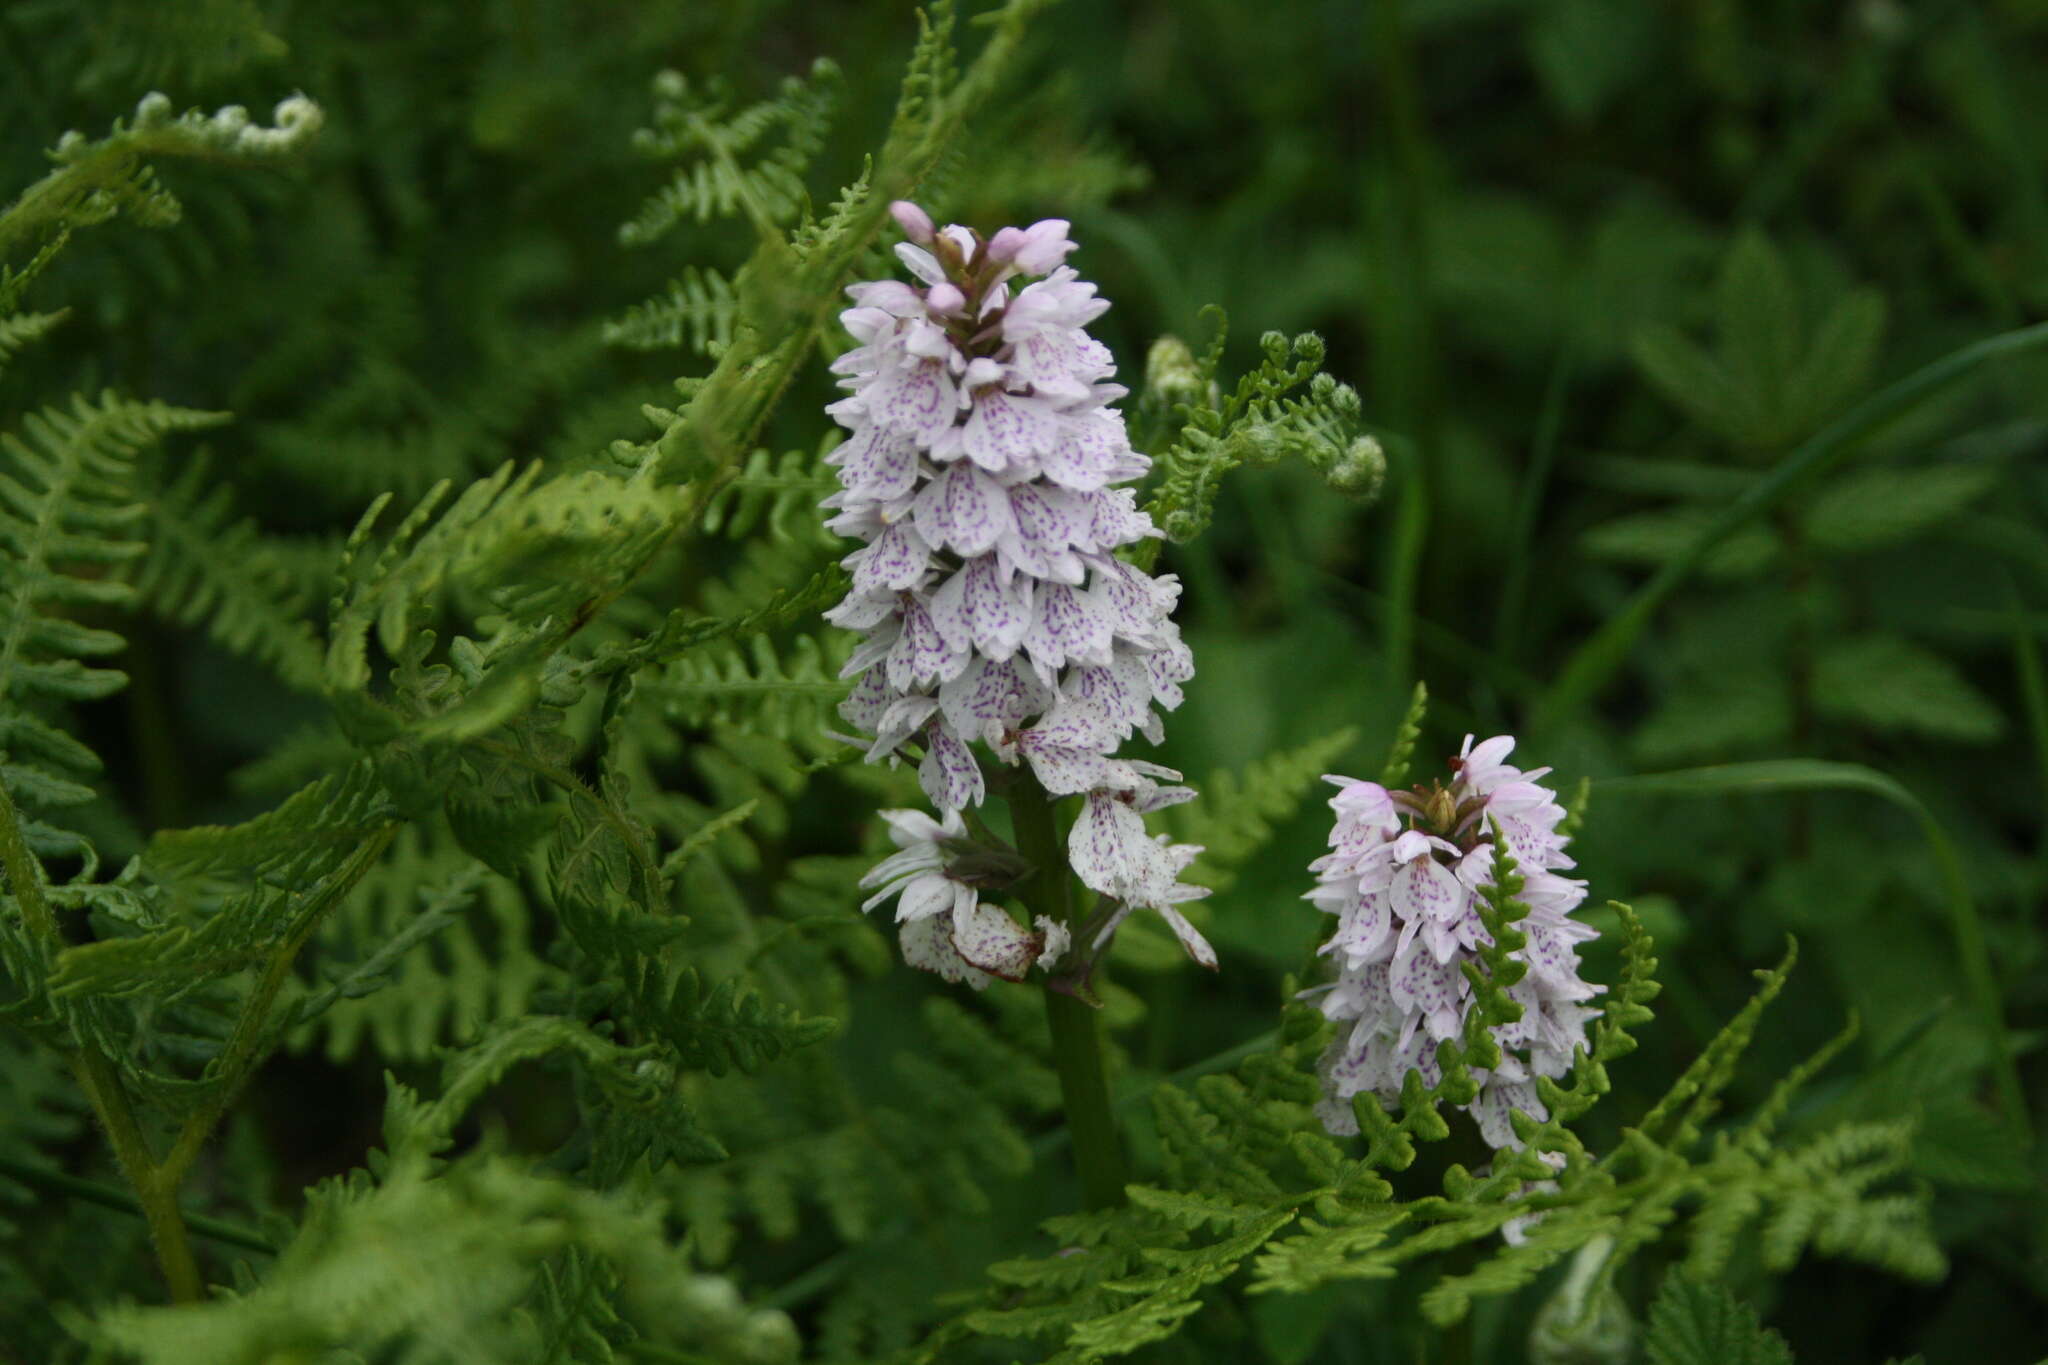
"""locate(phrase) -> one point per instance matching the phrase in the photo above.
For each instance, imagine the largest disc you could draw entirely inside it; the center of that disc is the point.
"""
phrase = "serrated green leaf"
(1838, 361)
(1878, 507)
(1959, 1143)
(1658, 538)
(1692, 1323)
(1692, 381)
(1756, 309)
(1889, 683)
(500, 832)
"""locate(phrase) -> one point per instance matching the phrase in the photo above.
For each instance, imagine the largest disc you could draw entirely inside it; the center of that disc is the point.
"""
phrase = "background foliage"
(1601, 271)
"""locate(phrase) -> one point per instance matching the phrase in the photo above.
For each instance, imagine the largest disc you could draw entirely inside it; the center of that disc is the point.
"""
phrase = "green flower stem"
(1076, 1025)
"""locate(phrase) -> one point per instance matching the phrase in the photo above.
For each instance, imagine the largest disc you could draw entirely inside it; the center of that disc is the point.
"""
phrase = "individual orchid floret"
(1037, 250)
(1403, 880)
(985, 472)
(937, 877)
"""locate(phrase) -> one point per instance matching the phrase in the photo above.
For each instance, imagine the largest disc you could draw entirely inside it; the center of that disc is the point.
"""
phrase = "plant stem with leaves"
(102, 1086)
(1076, 1024)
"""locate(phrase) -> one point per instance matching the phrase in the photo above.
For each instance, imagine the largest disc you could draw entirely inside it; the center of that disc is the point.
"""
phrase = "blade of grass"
(1597, 660)
(1397, 204)
(1808, 775)
(2033, 700)
(1507, 621)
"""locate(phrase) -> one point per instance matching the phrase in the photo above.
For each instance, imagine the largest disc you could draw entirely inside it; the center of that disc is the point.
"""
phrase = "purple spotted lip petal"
(1005, 430)
(896, 559)
(1067, 625)
(949, 774)
(963, 510)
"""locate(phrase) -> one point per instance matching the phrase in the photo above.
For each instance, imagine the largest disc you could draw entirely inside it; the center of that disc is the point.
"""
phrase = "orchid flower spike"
(1402, 880)
(986, 474)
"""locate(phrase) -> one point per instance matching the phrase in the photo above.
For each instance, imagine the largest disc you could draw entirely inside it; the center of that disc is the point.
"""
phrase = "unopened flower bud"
(915, 222)
(1003, 247)
(945, 300)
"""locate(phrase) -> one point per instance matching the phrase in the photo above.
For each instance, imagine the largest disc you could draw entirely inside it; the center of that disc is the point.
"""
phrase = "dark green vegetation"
(1698, 340)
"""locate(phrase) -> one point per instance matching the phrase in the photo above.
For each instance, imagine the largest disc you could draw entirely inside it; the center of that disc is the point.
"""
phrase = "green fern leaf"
(696, 314)
(1237, 812)
(725, 1028)
(1693, 1323)
(95, 180)
(21, 329)
(689, 123)
(202, 565)
(787, 695)
(67, 507)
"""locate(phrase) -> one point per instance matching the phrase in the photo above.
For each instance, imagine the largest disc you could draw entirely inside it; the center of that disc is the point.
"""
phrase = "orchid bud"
(915, 222)
(1003, 247)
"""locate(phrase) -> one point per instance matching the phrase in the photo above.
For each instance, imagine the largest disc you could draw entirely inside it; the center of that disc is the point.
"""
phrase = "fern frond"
(203, 565)
(1700, 1086)
(427, 952)
(437, 1267)
(363, 460)
(1395, 772)
(696, 314)
(686, 629)
(68, 507)
(337, 812)
(787, 695)
(95, 180)
(1262, 422)
(39, 1108)
(21, 329)
(208, 940)
(782, 491)
(1237, 812)
(725, 1028)
(694, 124)
(143, 44)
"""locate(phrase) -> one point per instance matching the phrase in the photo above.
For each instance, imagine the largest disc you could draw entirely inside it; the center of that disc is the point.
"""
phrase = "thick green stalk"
(1076, 1025)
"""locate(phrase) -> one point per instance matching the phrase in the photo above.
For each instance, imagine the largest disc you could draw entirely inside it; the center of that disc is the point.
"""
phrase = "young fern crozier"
(1403, 878)
(986, 474)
